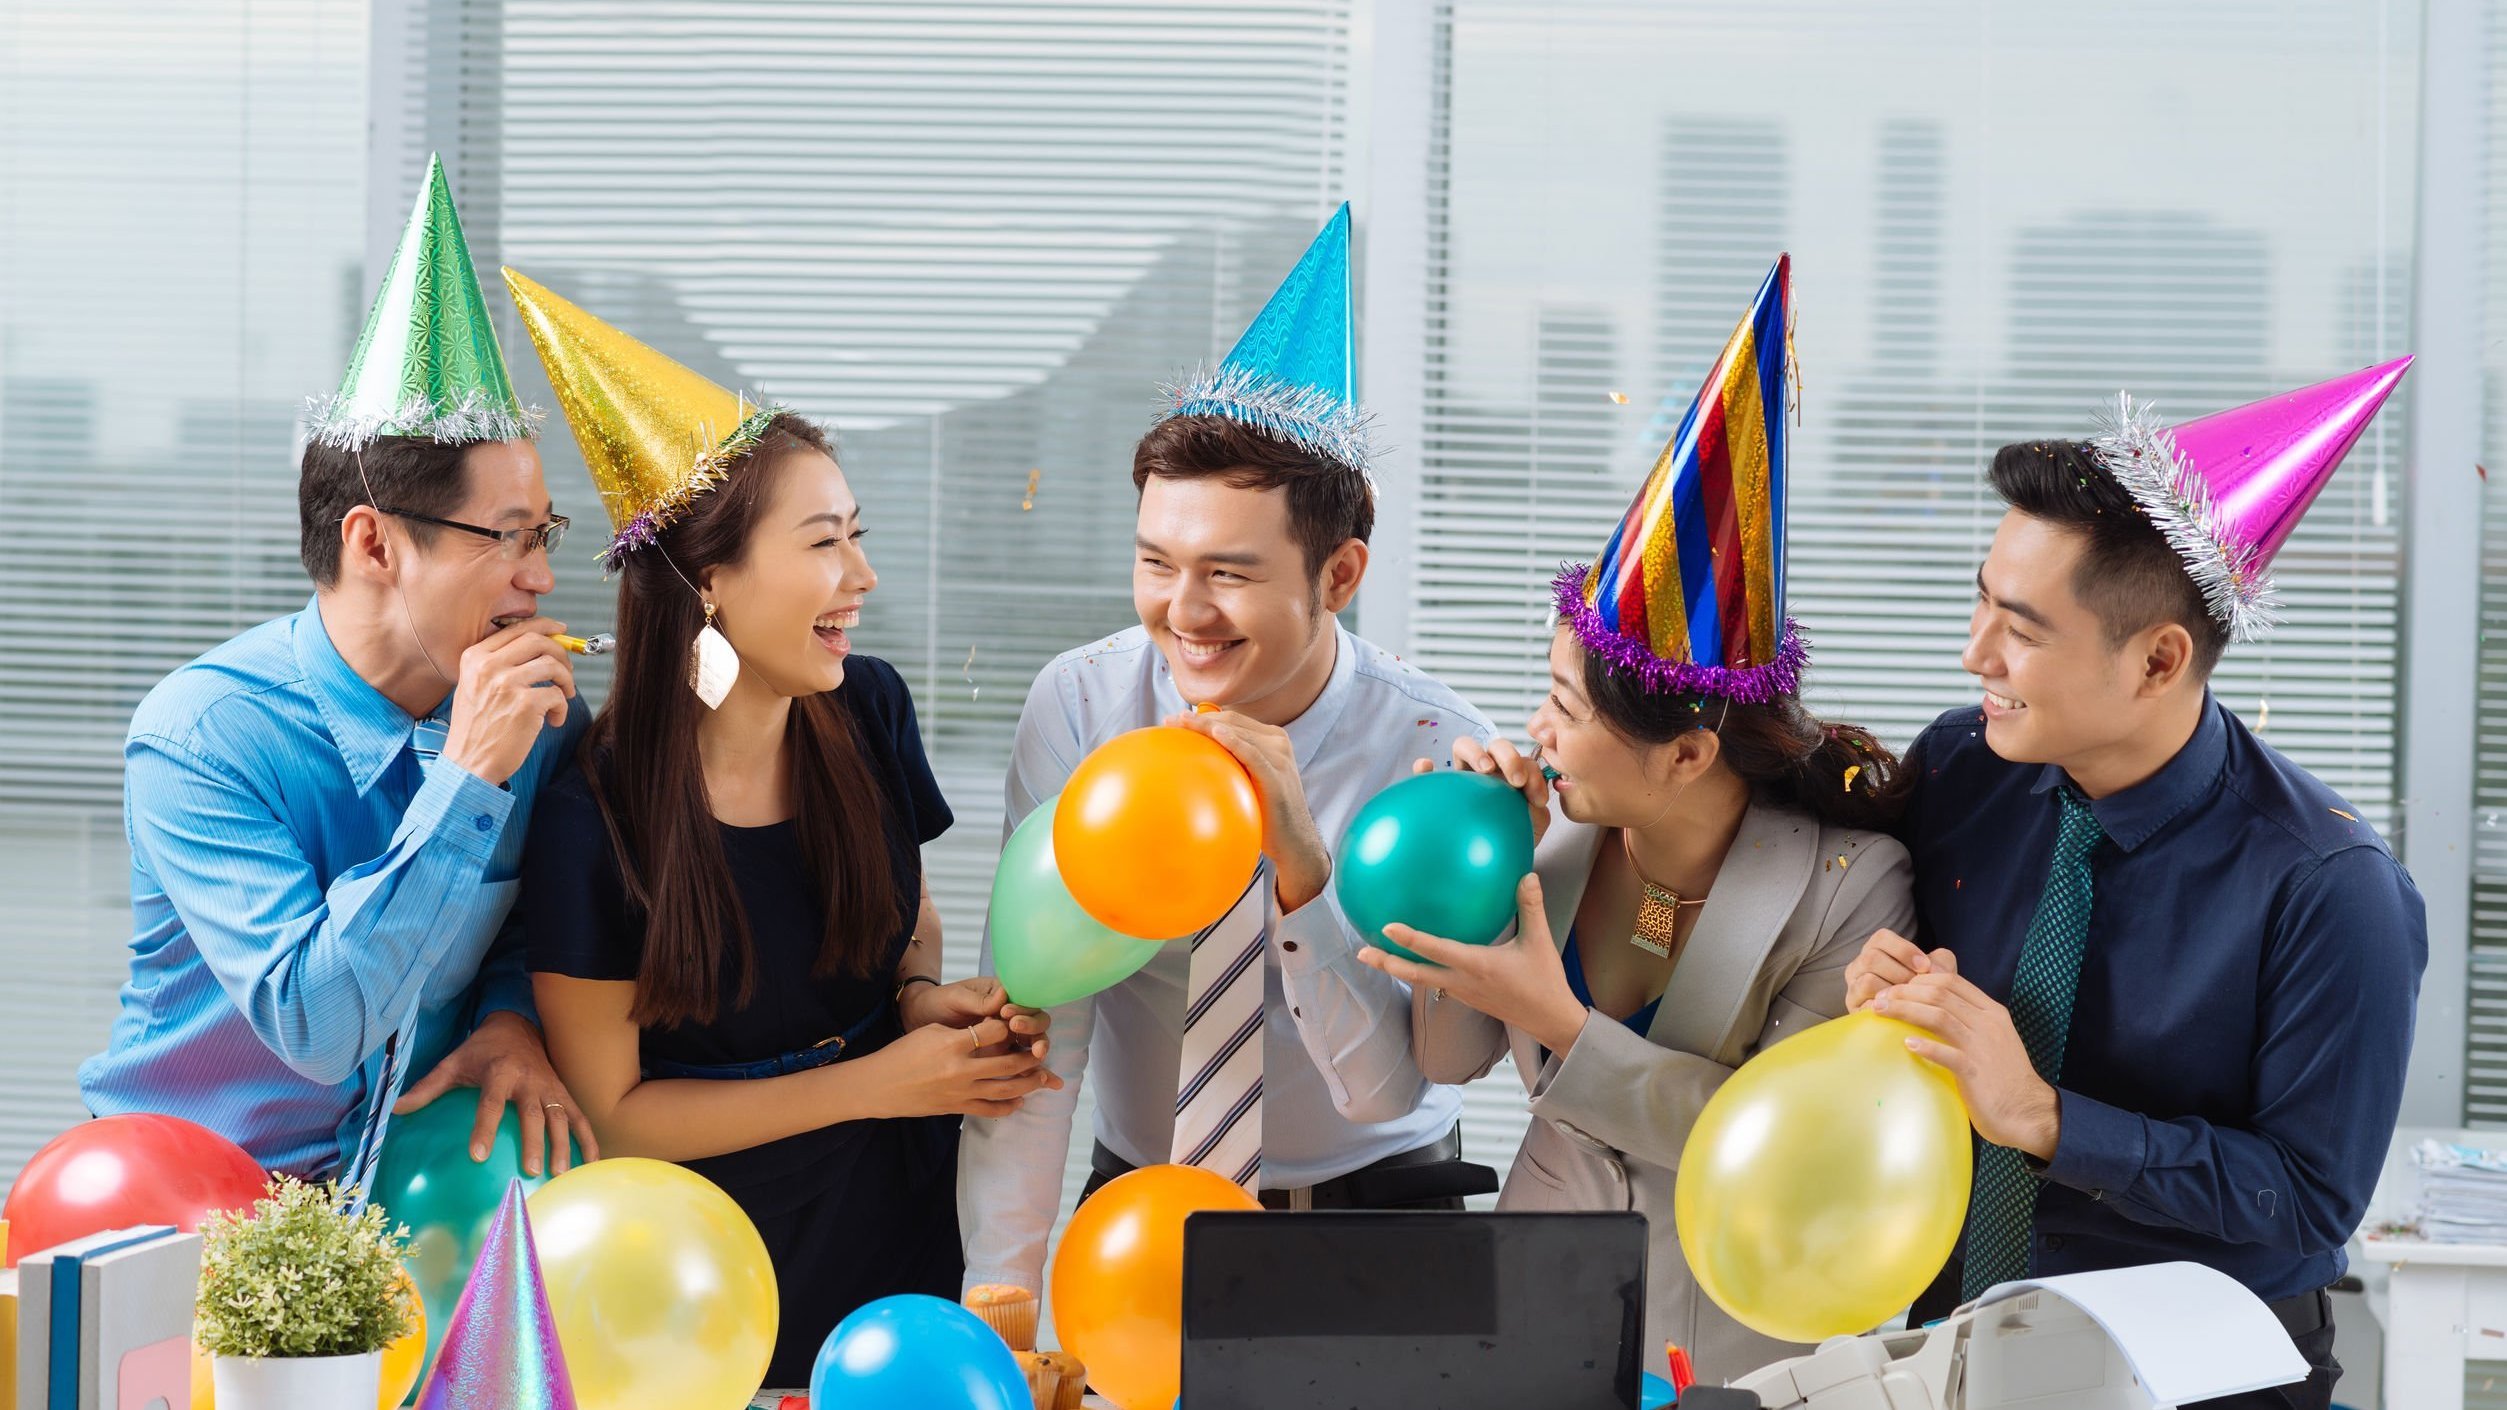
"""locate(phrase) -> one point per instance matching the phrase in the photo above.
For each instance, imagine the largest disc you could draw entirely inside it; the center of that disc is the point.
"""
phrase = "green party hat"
(427, 364)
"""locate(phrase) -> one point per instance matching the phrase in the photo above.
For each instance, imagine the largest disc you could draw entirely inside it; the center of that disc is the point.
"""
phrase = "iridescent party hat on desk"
(500, 1350)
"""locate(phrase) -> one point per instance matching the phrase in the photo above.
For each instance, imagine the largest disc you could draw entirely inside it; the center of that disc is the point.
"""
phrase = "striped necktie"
(2001, 1219)
(426, 741)
(1218, 1097)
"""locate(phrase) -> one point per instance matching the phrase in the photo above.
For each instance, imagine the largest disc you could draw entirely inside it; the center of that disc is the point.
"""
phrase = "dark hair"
(1328, 503)
(407, 472)
(2128, 575)
(646, 777)
(1840, 774)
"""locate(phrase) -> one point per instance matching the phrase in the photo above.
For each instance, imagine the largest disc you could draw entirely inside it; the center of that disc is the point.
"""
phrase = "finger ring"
(554, 1106)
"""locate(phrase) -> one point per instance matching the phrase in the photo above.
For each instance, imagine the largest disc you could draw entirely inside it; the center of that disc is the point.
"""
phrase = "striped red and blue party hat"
(1688, 594)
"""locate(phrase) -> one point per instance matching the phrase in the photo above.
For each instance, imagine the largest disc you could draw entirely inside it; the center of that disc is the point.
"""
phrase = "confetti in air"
(1852, 770)
(973, 691)
(1619, 398)
(1034, 478)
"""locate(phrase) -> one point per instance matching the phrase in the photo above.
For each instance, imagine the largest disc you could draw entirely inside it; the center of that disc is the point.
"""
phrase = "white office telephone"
(2158, 1335)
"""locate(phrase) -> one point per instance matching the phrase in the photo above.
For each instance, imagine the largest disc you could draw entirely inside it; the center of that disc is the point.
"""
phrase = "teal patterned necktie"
(2003, 1211)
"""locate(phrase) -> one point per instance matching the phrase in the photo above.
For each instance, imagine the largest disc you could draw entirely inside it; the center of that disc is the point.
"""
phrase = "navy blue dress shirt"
(2236, 1058)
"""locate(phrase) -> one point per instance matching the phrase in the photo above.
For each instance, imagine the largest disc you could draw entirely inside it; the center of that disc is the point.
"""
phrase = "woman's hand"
(969, 1002)
(937, 1070)
(1521, 982)
(1500, 760)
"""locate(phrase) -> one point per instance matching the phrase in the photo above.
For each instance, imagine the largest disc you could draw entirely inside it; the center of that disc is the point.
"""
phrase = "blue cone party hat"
(500, 1350)
(1294, 373)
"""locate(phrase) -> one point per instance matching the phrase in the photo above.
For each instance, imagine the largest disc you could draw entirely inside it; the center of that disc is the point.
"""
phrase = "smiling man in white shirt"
(1263, 1051)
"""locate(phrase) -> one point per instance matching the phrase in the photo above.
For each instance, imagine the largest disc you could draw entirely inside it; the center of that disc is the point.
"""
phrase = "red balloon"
(118, 1171)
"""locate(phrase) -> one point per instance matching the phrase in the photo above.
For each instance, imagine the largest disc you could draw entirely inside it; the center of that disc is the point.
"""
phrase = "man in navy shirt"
(2173, 973)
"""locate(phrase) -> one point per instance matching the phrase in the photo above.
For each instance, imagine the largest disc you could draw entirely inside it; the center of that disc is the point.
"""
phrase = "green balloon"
(1441, 853)
(1045, 949)
(427, 1180)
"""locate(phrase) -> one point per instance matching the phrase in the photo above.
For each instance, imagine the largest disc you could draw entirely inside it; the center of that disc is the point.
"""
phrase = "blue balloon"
(916, 1352)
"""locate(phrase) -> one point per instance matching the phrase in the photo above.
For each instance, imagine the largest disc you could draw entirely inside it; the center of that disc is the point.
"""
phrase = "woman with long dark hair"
(734, 954)
(1719, 861)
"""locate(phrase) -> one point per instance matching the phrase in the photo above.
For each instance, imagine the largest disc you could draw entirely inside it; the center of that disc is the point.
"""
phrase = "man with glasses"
(326, 813)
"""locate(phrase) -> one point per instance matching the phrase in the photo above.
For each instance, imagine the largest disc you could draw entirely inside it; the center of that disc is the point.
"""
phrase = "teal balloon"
(1046, 950)
(427, 1180)
(1439, 852)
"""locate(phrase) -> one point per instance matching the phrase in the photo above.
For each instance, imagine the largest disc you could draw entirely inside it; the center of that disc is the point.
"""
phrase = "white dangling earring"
(712, 664)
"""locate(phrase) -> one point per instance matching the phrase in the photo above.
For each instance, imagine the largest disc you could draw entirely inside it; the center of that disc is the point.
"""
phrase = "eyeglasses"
(517, 543)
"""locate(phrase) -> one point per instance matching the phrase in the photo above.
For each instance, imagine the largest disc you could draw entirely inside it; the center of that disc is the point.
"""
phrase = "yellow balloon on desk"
(402, 1360)
(1825, 1184)
(662, 1291)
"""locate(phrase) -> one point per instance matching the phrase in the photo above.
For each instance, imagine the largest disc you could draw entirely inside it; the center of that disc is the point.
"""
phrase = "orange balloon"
(400, 1363)
(1118, 1280)
(1157, 832)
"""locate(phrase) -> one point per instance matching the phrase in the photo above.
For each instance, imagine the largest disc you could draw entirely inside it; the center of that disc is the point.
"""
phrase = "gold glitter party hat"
(654, 434)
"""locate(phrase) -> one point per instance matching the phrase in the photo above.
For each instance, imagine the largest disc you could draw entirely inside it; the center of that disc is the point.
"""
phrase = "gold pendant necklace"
(1658, 914)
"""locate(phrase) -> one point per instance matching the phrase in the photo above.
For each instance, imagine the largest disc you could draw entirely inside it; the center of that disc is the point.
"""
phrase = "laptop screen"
(1333, 1309)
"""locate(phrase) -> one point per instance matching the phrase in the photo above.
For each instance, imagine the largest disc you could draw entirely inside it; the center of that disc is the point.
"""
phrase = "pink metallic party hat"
(2228, 488)
(500, 1350)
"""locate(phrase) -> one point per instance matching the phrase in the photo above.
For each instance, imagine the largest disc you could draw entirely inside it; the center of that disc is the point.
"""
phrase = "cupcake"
(1074, 1380)
(1044, 1379)
(1007, 1309)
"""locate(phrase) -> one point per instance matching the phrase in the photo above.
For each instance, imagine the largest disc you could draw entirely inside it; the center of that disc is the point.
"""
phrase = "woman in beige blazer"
(1740, 841)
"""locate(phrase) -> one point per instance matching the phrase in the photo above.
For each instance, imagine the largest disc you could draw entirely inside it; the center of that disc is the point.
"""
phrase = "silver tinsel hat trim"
(2140, 452)
(473, 416)
(1306, 417)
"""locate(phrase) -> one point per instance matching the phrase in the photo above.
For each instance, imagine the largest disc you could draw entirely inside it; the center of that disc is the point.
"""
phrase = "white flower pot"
(298, 1382)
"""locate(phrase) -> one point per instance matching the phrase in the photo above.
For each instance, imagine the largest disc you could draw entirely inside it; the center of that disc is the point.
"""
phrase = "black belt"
(820, 1054)
(2304, 1314)
(1433, 1172)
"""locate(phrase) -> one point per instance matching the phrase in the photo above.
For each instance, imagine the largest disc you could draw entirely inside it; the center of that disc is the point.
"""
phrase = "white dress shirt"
(1340, 1088)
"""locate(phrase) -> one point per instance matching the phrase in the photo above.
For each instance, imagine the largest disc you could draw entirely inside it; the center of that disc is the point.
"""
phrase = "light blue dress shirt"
(300, 878)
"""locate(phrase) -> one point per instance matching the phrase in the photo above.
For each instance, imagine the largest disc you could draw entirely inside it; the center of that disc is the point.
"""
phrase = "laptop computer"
(1334, 1309)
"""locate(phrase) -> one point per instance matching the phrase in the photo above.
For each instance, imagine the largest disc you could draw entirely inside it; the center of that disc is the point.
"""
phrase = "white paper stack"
(2463, 1193)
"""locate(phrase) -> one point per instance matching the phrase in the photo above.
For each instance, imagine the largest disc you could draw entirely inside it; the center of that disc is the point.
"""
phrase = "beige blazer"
(1792, 904)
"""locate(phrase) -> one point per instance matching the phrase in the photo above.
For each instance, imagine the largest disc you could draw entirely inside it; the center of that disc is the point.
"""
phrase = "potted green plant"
(298, 1298)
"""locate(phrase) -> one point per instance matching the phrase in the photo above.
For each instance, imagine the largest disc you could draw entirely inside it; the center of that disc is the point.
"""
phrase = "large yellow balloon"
(1118, 1279)
(662, 1290)
(1824, 1186)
